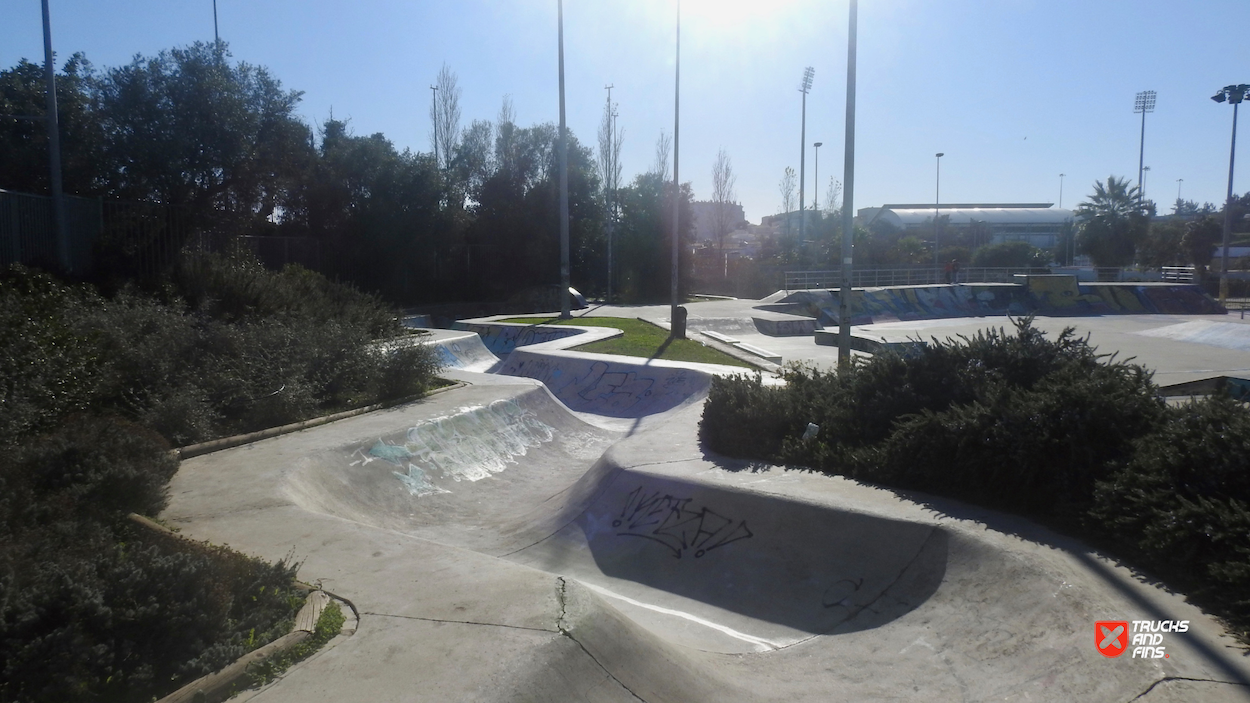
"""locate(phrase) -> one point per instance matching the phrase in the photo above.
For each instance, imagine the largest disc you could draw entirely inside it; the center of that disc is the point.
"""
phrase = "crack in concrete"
(1182, 678)
(561, 596)
(459, 622)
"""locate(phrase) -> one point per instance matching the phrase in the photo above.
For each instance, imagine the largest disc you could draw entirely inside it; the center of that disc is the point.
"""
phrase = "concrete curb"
(225, 683)
(213, 445)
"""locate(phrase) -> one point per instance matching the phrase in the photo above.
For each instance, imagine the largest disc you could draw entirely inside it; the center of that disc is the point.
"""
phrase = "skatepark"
(550, 528)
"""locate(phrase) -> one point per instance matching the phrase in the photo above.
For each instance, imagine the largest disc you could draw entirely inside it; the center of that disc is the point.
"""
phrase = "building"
(705, 212)
(1039, 224)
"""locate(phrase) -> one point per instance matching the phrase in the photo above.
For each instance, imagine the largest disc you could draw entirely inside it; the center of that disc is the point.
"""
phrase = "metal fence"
(913, 276)
(28, 230)
(132, 239)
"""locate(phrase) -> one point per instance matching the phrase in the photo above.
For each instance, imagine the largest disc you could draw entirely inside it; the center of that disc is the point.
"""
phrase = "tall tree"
(833, 195)
(663, 150)
(1112, 223)
(188, 128)
(723, 197)
(787, 185)
(1199, 241)
(445, 116)
(611, 137)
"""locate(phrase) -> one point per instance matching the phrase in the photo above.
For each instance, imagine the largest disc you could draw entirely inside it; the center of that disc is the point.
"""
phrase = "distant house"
(1039, 224)
(705, 212)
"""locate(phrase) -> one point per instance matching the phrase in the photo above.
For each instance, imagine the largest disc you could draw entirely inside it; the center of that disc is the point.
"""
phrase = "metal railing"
(913, 276)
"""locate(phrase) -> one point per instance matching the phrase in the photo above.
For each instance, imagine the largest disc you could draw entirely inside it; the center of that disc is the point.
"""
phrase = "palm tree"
(1112, 223)
(1114, 198)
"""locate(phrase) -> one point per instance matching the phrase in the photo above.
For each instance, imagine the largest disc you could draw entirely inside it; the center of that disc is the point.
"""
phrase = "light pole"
(54, 143)
(1145, 103)
(564, 183)
(677, 327)
(816, 179)
(805, 86)
(1233, 94)
(1145, 172)
(1061, 190)
(1179, 181)
(937, 198)
(848, 199)
(216, 37)
(610, 186)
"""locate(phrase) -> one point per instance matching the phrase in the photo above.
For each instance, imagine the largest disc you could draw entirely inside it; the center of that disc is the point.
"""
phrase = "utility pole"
(54, 143)
(804, 87)
(1061, 190)
(564, 184)
(848, 199)
(1233, 94)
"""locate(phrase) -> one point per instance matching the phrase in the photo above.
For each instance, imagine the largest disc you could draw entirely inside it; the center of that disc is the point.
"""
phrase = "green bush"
(1048, 428)
(90, 609)
(1182, 503)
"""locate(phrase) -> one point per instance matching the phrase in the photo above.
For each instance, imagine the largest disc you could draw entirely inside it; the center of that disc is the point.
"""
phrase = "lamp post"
(1061, 176)
(677, 318)
(1233, 94)
(54, 143)
(564, 183)
(804, 87)
(937, 198)
(848, 198)
(816, 179)
(1145, 103)
(1179, 181)
(1145, 171)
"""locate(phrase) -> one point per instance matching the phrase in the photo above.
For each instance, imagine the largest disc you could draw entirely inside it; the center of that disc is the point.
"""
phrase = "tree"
(645, 251)
(445, 116)
(787, 186)
(187, 127)
(1199, 241)
(723, 196)
(1112, 223)
(1162, 244)
(611, 137)
(24, 142)
(832, 195)
(1009, 255)
(663, 149)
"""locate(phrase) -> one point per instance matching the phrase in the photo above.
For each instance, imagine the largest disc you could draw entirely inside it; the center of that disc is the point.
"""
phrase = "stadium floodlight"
(1233, 94)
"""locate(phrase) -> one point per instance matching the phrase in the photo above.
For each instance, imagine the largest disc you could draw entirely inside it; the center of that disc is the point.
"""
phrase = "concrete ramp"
(725, 571)
(462, 350)
(616, 386)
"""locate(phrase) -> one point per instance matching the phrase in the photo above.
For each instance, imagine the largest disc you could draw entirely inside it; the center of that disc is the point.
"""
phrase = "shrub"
(1182, 503)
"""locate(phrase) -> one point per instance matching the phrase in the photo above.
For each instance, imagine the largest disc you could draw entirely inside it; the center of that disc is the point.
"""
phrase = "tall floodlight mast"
(1145, 103)
(804, 87)
(1233, 94)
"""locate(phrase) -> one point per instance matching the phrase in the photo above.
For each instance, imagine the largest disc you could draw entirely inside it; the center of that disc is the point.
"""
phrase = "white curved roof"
(995, 216)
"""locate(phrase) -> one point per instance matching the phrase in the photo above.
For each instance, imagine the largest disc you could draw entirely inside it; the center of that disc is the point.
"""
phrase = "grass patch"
(329, 624)
(640, 339)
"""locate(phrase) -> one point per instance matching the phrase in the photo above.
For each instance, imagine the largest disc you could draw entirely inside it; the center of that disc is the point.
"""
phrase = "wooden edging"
(237, 440)
(223, 684)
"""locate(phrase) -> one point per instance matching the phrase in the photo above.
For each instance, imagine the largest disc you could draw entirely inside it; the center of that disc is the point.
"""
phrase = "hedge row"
(1019, 422)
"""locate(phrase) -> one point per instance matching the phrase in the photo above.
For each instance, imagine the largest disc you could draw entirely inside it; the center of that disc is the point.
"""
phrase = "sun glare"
(734, 15)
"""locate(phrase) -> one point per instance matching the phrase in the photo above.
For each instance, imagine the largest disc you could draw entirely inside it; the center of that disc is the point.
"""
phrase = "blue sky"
(1014, 92)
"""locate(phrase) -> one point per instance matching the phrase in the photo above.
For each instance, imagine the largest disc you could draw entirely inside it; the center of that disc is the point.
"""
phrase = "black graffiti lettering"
(676, 524)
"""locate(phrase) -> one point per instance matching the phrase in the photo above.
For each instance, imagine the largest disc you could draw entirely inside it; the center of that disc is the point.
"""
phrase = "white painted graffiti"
(470, 445)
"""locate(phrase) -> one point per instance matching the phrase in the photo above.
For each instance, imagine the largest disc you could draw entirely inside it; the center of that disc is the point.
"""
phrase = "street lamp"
(1145, 103)
(848, 196)
(1233, 94)
(1145, 172)
(1061, 176)
(677, 315)
(937, 198)
(1179, 181)
(564, 181)
(816, 193)
(805, 86)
